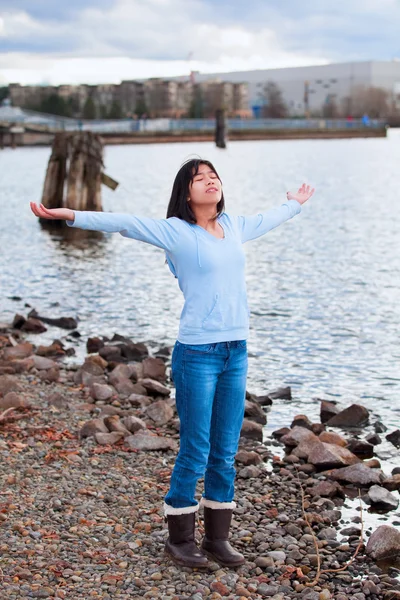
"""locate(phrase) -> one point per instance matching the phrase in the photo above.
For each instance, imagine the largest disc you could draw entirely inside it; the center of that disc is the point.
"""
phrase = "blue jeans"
(210, 383)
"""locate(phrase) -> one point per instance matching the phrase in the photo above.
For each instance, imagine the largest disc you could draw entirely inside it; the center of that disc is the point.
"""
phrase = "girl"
(203, 247)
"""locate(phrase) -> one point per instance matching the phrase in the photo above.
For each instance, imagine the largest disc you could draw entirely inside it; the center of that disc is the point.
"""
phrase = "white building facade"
(306, 90)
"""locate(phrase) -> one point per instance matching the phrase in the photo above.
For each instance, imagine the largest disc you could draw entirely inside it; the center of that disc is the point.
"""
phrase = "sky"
(105, 41)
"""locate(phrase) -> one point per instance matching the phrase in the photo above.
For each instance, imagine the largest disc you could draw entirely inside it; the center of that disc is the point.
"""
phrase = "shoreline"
(80, 517)
(42, 137)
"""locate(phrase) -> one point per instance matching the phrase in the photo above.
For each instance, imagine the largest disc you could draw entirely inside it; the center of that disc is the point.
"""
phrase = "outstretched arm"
(163, 233)
(254, 226)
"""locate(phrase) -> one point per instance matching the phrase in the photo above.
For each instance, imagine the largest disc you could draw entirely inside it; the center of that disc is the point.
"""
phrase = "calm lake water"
(324, 288)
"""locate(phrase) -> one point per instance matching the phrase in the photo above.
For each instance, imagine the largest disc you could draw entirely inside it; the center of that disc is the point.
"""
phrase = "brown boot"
(215, 544)
(180, 545)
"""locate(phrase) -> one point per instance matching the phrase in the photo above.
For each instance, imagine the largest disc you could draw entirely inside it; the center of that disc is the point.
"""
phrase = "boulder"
(123, 371)
(21, 365)
(106, 439)
(124, 386)
(154, 368)
(50, 375)
(352, 416)
(394, 438)
(361, 448)
(113, 423)
(249, 472)
(374, 439)
(139, 400)
(326, 489)
(327, 410)
(301, 421)
(382, 499)
(358, 474)
(263, 400)
(304, 448)
(160, 412)
(9, 383)
(62, 322)
(111, 353)
(140, 441)
(330, 456)
(13, 400)
(392, 483)
(101, 391)
(154, 388)
(279, 433)
(33, 326)
(333, 438)
(384, 543)
(251, 430)
(134, 424)
(90, 428)
(97, 360)
(255, 412)
(94, 345)
(284, 393)
(44, 364)
(55, 349)
(297, 435)
(22, 350)
(248, 458)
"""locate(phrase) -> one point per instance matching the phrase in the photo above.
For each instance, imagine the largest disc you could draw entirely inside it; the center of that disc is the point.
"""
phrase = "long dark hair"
(178, 205)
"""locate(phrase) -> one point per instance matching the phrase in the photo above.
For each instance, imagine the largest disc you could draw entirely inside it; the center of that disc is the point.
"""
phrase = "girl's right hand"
(52, 213)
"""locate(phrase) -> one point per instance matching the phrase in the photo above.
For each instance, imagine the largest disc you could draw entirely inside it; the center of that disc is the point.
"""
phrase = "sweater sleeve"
(254, 226)
(163, 233)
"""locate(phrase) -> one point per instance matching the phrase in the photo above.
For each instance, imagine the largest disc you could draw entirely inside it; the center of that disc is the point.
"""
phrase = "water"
(323, 288)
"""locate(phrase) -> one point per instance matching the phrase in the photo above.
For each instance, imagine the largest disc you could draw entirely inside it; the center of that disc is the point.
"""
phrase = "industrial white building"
(317, 85)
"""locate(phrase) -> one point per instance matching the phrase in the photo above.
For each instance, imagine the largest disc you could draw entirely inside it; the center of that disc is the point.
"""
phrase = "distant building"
(310, 89)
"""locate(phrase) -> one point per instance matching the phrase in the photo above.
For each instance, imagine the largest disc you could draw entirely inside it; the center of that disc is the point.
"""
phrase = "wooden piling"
(220, 128)
(76, 163)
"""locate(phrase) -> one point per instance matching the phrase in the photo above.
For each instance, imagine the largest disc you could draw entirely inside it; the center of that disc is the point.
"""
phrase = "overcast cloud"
(42, 41)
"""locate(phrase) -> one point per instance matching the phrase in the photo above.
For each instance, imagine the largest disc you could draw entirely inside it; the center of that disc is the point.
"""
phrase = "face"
(206, 188)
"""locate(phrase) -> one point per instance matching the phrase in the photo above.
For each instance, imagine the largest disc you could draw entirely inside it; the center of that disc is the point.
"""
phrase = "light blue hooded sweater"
(210, 271)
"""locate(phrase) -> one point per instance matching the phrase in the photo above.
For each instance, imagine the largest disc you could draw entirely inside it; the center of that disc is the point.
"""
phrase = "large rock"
(114, 423)
(394, 438)
(358, 474)
(105, 439)
(90, 428)
(124, 371)
(327, 410)
(43, 364)
(22, 350)
(33, 326)
(111, 353)
(392, 483)
(154, 388)
(139, 400)
(62, 322)
(94, 345)
(330, 456)
(251, 430)
(249, 472)
(248, 458)
(297, 435)
(301, 421)
(141, 441)
(13, 400)
(55, 349)
(382, 499)
(8, 383)
(263, 400)
(160, 412)
(154, 368)
(361, 448)
(384, 543)
(89, 374)
(134, 424)
(284, 393)
(352, 416)
(124, 386)
(326, 489)
(304, 448)
(333, 438)
(101, 391)
(255, 412)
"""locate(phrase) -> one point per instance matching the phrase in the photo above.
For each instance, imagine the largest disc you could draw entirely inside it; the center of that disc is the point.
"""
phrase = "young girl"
(203, 247)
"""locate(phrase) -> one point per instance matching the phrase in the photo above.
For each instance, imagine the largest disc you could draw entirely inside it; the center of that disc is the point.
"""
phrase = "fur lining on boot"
(217, 505)
(170, 510)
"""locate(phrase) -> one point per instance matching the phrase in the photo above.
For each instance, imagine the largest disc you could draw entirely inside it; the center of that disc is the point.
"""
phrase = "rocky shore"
(86, 454)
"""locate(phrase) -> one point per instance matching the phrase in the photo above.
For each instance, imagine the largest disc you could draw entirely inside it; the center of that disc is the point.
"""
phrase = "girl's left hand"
(304, 193)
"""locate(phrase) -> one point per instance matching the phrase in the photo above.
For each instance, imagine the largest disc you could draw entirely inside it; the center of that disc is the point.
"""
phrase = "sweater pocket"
(214, 319)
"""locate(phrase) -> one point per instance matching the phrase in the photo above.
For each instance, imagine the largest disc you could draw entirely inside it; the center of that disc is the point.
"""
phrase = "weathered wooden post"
(220, 128)
(85, 169)
(53, 189)
(76, 158)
